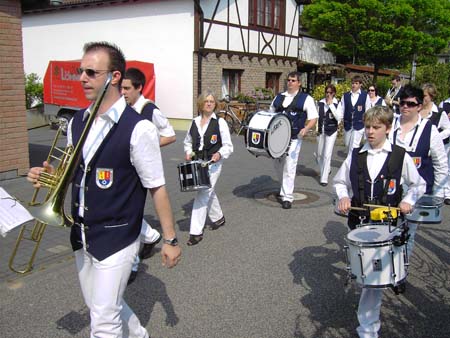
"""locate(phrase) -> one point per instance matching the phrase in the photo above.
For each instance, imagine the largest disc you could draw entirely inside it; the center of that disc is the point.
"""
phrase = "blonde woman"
(208, 139)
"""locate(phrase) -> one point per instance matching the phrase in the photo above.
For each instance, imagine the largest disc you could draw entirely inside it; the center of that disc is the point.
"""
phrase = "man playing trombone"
(119, 160)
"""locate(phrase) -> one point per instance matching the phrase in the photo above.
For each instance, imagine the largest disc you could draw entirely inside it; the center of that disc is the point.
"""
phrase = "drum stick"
(205, 164)
(380, 206)
(358, 208)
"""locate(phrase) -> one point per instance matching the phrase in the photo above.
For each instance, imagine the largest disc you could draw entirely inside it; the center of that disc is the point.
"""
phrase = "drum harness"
(395, 160)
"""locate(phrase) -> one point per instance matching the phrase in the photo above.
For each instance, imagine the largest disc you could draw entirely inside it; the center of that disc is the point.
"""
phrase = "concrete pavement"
(267, 273)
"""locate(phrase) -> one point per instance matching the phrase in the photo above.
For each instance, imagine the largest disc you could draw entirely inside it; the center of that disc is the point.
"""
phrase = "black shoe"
(217, 224)
(147, 249)
(194, 239)
(447, 201)
(132, 277)
(286, 205)
(323, 184)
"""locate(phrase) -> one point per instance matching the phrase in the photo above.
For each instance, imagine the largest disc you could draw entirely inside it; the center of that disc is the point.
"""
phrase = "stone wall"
(14, 159)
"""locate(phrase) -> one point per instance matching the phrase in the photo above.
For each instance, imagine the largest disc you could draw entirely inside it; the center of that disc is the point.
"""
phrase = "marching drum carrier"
(268, 134)
(427, 210)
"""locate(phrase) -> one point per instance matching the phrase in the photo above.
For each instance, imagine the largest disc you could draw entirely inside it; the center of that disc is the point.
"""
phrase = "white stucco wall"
(160, 32)
(312, 51)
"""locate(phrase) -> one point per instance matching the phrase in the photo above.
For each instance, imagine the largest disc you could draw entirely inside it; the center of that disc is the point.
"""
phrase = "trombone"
(51, 210)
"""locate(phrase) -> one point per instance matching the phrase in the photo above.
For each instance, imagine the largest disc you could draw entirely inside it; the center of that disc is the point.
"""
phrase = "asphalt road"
(268, 273)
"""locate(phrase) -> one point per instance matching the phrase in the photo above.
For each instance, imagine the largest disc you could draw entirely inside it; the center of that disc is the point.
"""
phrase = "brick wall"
(14, 159)
(254, 71)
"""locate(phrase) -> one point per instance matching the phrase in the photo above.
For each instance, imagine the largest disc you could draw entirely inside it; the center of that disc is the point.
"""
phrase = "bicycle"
(235, 124)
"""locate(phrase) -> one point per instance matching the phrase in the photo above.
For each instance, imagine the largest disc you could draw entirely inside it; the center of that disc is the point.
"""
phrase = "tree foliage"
(34, 90)
(439, 75)
(381, 32)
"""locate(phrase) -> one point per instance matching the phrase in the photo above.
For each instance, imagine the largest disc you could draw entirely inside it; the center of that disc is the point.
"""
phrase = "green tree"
(385, 33)
(34, 90)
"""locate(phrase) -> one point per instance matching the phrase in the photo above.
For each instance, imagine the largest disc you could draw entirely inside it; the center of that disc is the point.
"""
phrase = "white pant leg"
(348, 138)
(357, 137)
(289, 170)
(369, 312)
(103, 284)
(148, 234)
(412, 233)
(204, 200)
(326, 157)
(447, 186)
(320, 150)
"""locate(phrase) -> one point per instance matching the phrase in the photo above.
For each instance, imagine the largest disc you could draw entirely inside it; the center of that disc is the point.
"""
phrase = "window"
(231, 82)
(267, 14)
(273, 82)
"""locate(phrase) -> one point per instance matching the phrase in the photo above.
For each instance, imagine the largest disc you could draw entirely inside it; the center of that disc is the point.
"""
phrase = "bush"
(34, 90)
(437, 74)
(257, 94)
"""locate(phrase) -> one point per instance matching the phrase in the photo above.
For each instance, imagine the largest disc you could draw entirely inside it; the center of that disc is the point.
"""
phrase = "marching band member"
(329, 119)
(301, 110)
(120, 162)
(208, 139)
(392, 97)
(374, 173)
(374, 98)
(439, 118)
(352, 107)
(445, 107)
(132, 85)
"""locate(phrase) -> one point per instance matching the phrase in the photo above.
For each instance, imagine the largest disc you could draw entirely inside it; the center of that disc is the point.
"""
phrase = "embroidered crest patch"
(392, 186)
(256, 137)
(104, 178)
(360, 108)
(417, 161)
(213, 139)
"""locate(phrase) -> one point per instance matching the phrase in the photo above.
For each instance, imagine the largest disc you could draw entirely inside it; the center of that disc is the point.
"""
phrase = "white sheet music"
(12, 213)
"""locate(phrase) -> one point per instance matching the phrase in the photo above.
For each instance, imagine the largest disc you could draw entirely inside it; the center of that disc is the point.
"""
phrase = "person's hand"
(35, 172)
(188, 157)
(344, 205)
(405, 208)
(171, 255)
(216, 157)
(303, 132)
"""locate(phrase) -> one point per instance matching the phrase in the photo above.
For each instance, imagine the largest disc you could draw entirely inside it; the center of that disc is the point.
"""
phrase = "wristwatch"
(171, 241)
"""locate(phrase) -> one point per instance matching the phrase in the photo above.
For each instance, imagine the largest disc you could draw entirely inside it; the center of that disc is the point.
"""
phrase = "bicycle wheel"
(232, 125)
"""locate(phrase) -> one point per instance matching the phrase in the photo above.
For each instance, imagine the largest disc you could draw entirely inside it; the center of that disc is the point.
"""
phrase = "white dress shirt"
(375, 161)
(444, 122)
(334, 110)
(309, 106)
(159, 120)
(437, 150)
(145, 152)
(354, 98)
(227, 147)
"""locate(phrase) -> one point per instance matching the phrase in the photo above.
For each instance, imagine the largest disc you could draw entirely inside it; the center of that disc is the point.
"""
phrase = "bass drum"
(268, 134)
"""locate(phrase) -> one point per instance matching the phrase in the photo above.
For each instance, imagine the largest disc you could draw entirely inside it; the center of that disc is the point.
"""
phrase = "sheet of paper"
(12, 213)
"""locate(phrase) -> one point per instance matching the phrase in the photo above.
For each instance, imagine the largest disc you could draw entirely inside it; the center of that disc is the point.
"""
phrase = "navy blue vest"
(147, 110)
(327, 120)
(295, 111)
(112, 215)
(212, 140)
(421, 157)
(353, 115)
(379, 102)
(387, 189)
(435, 118)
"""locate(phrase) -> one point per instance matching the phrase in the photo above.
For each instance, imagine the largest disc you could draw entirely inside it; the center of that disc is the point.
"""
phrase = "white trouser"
(148, 235)
(103, 284)
(325, 146)
(447, 186)
(352, 139)
(206, 202)
(286, 170)
(370, 300)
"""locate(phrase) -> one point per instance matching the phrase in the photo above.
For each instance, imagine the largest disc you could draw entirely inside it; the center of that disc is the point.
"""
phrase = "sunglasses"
(371, 90)
(330, 92)
(291, 80)
(90, 72)
(409, 104)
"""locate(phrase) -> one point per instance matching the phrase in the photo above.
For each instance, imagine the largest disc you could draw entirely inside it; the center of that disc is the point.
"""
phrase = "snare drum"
(427, 210)
(374, 257)
(193, 176)
(268, 134)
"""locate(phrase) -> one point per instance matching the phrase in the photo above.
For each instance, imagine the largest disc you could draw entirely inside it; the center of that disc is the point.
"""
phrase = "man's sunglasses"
(409, 104)
(90, 72)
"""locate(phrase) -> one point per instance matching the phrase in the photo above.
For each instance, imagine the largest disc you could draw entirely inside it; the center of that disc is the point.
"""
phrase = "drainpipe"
(200, 46)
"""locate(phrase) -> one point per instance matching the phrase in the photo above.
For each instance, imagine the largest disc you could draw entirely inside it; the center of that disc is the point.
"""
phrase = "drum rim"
(372, 244)
(384, 286)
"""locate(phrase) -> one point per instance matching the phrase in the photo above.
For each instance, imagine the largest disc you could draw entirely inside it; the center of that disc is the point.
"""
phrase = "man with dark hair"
(120, 160)
(392, 98)
(132, 85)
(300, 108)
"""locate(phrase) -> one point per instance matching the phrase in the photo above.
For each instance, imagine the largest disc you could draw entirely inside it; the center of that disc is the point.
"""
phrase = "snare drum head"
(372, 233)
(279, 135)
(429, 201)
